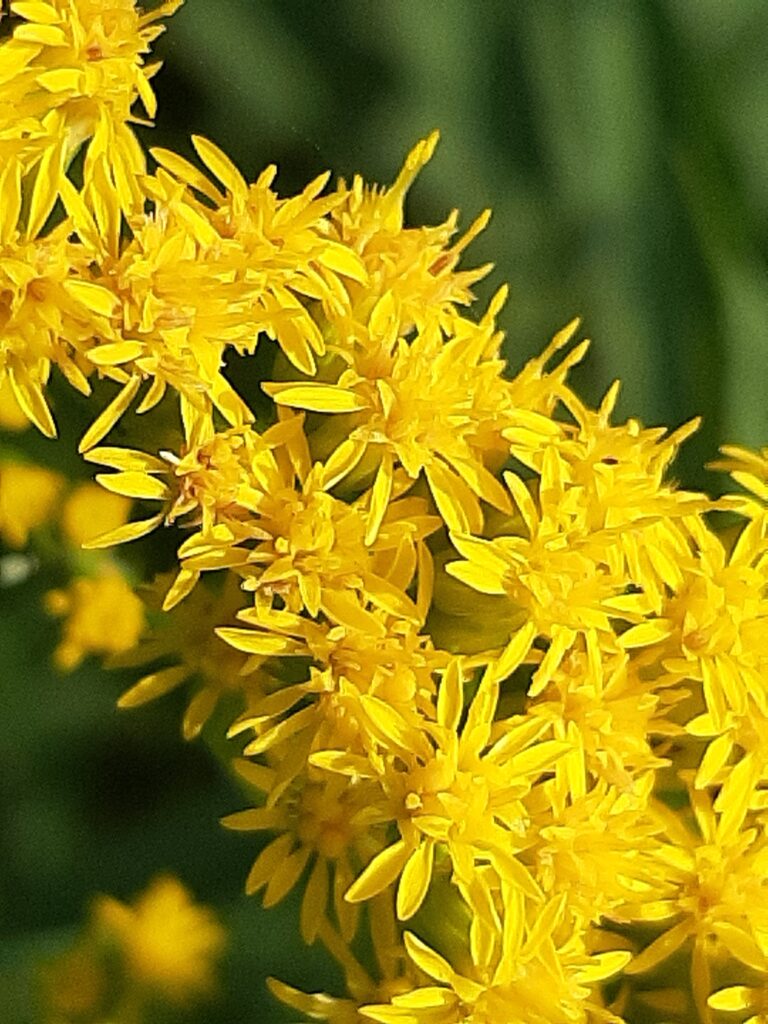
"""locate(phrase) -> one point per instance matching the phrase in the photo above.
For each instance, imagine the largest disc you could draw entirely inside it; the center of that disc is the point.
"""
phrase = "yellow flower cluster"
(163, 946)
(481, 642)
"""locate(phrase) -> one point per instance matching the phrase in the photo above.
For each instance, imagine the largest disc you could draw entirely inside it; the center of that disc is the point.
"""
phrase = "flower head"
(102, 615)
(170, 943)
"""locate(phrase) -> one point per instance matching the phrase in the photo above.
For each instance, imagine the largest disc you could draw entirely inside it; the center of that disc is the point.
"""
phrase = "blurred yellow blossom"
(170, 943)
(102, 615)
(28, 496)
(12, 416)
(130, 958)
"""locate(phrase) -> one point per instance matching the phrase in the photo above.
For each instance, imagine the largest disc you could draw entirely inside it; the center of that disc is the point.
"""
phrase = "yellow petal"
(182, 586)
(221, 166)
(315, 397)
(266, 863)
(428, 960)
(645, 633)
(109, 416)
(61, 80)
(345, 609)
(342, 462)
(252, 642)
(125, 533)
(381, 492)
(115, 353)
(538, 758)
(46, 188)
(450, 697)
(602, 966)
(314, 901)
(414, 880)
(524, 501)
(134, 485)
(734, 998)
(343, 260)
(96, 298)
(254, 819)
(380, 872)
(36, 10)
(715, 758)
(390, 727)
(155, 685)
(187, 172)
(455, 502)
(661, 948)
(47, 35)
(29, 395)
(515, 652)
(733, 799)
(126, 459)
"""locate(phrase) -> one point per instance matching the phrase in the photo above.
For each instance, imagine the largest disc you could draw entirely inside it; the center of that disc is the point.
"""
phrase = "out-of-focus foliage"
(622, 147)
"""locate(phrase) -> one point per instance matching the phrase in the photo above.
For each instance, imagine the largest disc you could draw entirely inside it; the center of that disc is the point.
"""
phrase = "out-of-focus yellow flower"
(12, 416)
(89, 511)
(170, 943)
(28, 496)
(102, 616)
(75, 986)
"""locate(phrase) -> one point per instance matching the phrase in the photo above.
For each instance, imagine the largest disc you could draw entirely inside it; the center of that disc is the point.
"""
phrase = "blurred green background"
(622, 146)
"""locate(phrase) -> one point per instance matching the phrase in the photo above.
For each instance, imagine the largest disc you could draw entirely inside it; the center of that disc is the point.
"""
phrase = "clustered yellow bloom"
(476, 640)
(162, 946)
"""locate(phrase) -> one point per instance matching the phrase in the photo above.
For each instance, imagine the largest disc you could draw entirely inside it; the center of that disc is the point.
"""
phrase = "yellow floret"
(28, 497)
(102, 616)
(170, 943)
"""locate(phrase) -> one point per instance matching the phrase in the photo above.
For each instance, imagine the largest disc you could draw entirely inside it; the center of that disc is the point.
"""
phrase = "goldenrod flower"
(72, 71)
(436, 405)
(319, 820)
(28, 496)
(461, 790)
(608, 712)
(170, 943)
(280, 250)
(414, 267)
(598, 849)
(718, 897)
(716, 623)
(49, 308)
(365, 652)
(529, 979)
(102, 615)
